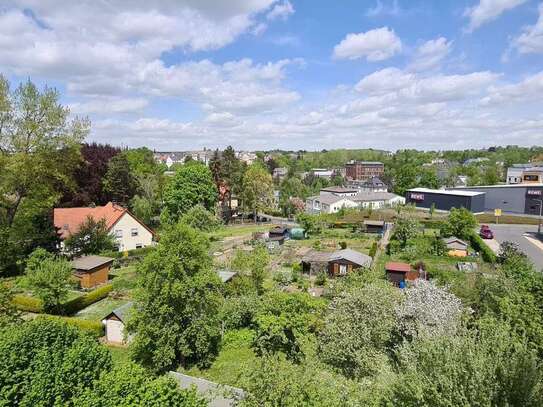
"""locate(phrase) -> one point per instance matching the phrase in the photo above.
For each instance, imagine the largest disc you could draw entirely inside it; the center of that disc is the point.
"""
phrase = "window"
(134, 232)
(118, 233)
(531, 178)
(342, 269)
(139, 245)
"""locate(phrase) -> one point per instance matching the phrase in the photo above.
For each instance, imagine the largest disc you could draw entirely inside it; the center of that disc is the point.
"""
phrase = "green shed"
(297, 233)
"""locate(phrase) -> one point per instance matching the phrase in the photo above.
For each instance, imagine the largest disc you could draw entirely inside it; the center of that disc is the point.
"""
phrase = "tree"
(49, 278)
(312, 224)
(92, 237)
(120, 182)
(200, 218)
(428, 310)
(292, 187)
(253, 264)
(9, 314)
(357, 328)
(45, 362)
(191, 185)
(130, 385)
(489, 366)
(39, 151)
(460, 223)
(88, 176)
(177, 304)
(406, 228)
(232, 171)
(142, 162)
(257, 189)
(428, 178)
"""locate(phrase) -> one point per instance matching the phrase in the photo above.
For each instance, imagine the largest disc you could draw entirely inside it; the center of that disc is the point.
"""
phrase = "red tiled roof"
(397, 266)
(68, 220)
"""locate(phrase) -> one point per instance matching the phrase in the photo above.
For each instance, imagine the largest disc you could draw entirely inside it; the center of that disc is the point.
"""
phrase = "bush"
(480, 246)
(343, 245)
(28, 304)
(321, 278)
(79, 303)
(134, 253)
(96, 328)
(373, 250)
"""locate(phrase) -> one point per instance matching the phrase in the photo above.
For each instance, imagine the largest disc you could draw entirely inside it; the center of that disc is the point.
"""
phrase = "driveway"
(520, 234)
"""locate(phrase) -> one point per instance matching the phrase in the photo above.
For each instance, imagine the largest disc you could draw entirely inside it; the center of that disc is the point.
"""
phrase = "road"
(516, 234)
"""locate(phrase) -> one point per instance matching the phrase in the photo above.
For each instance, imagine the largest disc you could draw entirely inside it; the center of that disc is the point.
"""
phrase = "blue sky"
(263, 74)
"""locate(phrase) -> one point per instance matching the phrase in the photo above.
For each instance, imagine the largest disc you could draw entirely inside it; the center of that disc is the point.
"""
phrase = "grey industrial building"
(516, 199)
(445, 200)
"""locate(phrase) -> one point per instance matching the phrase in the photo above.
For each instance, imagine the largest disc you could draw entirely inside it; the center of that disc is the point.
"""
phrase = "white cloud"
(383, 81)
(531, 39)
(488, 10)
(108, 105)
(528, 90)
(281, 11)
(430, 54)
(375, 45)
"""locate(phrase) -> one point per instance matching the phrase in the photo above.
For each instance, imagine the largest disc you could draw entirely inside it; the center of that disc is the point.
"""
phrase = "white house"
(330, 203)
(129, 232)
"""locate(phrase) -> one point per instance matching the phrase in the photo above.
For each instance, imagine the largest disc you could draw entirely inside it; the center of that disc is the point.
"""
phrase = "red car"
(485, 232)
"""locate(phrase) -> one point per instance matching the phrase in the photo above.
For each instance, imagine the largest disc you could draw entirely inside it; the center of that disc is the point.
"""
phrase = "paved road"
(515, 233)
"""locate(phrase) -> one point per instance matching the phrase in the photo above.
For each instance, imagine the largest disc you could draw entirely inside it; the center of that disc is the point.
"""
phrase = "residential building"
(329, 202)
(364, 170)
(129, 232)
(91, 271)
(339, 191)
(169, 157)
(247, 157)
(374, 184)
(444, 200)
(115, 323)
(322, 173)
(376, 200)
(456, 247)
(515, 173)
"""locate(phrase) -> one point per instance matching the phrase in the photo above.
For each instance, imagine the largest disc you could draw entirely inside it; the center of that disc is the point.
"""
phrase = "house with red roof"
(129, 232)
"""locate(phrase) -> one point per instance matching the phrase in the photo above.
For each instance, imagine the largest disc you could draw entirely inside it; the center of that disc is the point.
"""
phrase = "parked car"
(485, 232)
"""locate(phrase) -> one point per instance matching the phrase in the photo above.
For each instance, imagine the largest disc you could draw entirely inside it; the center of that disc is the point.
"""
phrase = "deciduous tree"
(92, 237)
(257, 189)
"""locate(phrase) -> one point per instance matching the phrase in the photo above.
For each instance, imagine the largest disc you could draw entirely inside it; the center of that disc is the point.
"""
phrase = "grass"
(240, 230)
(124, 278)
(507, 219)
(236, 354)
(119, 355)
(100, 309)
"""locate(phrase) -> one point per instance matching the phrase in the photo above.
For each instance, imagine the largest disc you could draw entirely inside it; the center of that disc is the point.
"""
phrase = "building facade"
(364, 170)
(445, 200)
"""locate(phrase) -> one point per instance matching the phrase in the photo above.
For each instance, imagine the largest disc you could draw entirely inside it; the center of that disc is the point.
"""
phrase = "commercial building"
(515, 199)
(329, 202)
(364, 170)
(525, 174)
(445, 200)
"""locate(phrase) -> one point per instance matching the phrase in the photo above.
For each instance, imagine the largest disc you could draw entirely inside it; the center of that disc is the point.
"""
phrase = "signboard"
(416, 197)
(534, 192)
(497, 212)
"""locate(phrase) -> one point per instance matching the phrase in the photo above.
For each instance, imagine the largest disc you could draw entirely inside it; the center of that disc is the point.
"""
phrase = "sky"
(265, 74)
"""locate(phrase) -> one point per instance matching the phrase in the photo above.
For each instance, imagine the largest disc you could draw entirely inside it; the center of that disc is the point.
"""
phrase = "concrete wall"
(508, 199)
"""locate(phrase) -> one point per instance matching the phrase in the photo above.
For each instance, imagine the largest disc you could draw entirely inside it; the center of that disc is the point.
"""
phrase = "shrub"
(28, 304)
(96, 328)
(480, 246)
(343, 245)
(79, 303)
(373, 250)
(321, 278)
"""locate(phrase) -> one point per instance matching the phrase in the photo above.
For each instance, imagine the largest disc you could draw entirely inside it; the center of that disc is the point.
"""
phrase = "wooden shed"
(398, 272)
(456, 247)
(91, 270)
(314, 261)
(345, 261)
(374, 226)
(115, 323)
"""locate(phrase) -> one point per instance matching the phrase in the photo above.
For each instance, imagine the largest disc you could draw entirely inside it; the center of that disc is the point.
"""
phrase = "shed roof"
(226, 275)
(454, 240)
(397, 266)
(315, 256)
(351, 255)
(374, 222)
(87, 263)
(219, 395)
(123, 312)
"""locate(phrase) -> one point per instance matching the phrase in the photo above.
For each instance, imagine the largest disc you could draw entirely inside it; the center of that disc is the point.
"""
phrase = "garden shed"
(314, 262)
(456, 247)
(398, 272)
(91, 270)
(115, 323)
(345, 261)
(374, 226)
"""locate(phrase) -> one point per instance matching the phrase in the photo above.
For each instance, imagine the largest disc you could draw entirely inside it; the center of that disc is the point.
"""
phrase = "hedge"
(27, 303)
(79, 303)
(479, 245)
(95, 328)
(137, 253)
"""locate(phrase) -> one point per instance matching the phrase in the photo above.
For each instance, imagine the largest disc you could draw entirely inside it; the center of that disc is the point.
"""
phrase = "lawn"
(100, 309)
(240, 230)
(119, 355)
(123, 279)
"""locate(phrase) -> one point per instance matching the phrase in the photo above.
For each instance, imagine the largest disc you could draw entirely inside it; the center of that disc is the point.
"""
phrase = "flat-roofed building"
(445, 200)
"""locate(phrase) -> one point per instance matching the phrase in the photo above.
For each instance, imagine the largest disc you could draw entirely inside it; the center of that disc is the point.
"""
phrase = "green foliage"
(120, 182)
(47, 363)
(313, 224)
(130, 385)
(200, 218)
(49, 278)
(176, 310)
(191, 185)
(481, 247)
(95, 328)
(40, 151)
(291, 187)
(282, 322)
(358, 326)
(257, 189)
(406, 228)
(92, 237)
(28, 304)
(460, 223)
(8, 311)
(373, 250)
(253, 264)
(320, 279)
(77, 304)
(491, 367)
(239, 312)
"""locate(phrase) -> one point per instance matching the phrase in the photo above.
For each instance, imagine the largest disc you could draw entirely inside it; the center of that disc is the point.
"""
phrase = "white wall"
(114, 331)
(128, 242)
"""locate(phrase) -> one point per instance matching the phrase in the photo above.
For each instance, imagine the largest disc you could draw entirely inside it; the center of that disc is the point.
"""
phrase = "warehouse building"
(445, 200)
(516, 198)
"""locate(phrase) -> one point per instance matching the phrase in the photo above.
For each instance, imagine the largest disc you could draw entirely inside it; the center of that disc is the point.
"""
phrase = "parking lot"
(517, 234)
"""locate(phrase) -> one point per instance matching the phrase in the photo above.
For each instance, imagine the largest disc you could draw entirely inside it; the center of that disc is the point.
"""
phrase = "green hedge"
(27, 303)
(95, 328)
(131, 253)
(79, 303)
(479, 245)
